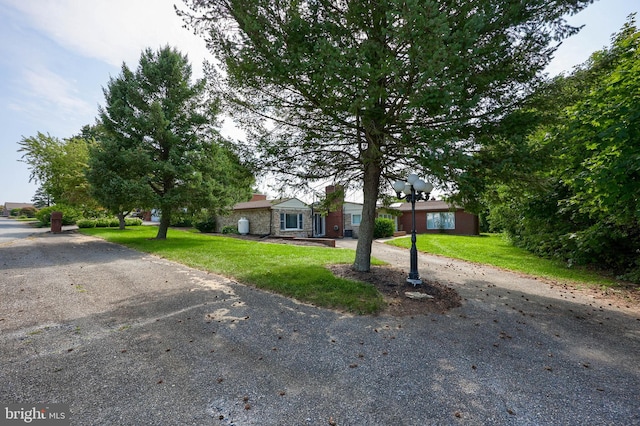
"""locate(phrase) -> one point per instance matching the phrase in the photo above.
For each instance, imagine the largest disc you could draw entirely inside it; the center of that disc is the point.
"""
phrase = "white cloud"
(114, 31)
(46, 101)
(52, 88)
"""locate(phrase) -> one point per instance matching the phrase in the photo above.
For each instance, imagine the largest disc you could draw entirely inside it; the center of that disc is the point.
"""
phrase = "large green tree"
(59, 167)
(114, 174)
(364, 91)
(159, 127)
(115, 179)
(576, 194)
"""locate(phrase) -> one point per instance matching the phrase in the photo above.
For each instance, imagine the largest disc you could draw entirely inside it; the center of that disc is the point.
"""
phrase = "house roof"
(11, 206)
(263, 204)
(260, 204)
(431, 205)
(352, 204)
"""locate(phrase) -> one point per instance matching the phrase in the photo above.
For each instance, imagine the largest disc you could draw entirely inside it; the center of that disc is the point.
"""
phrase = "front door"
(318, 225)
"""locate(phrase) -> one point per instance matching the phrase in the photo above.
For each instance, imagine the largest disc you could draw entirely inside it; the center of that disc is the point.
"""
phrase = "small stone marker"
(56, 222)
(417, 295)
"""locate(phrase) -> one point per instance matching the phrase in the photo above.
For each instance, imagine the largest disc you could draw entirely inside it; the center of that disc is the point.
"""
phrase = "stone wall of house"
(349, 227)
(267, 221)
(307, 223)
(258, 220)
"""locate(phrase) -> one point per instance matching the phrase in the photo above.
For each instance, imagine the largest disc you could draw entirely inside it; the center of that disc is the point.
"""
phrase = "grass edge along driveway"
(495, 250)
(290, 270)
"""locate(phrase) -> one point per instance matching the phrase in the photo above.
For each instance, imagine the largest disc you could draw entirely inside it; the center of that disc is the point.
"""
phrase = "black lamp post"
(414, 189)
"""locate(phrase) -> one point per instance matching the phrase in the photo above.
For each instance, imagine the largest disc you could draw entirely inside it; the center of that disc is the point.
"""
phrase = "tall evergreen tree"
(367, 90)
(41, 198)
(160, 140)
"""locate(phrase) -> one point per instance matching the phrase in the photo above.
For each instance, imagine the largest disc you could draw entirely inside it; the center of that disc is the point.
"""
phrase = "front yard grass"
(25, 219)
(495, 250)
(294, 271)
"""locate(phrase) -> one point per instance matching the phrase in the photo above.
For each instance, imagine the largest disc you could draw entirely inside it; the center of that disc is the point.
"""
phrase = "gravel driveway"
(131, 339)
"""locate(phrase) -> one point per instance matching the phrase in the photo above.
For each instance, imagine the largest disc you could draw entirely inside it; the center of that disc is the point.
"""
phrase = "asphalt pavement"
(127, 338)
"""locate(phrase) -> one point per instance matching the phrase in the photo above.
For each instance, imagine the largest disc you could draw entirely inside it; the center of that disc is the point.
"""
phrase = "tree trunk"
(372, 172)
(121, 220)
(165, 220)
(164, 194)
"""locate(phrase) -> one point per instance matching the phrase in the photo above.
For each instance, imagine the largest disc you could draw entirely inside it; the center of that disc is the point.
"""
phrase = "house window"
(356, 219)
(441, 220)
(291, 221)
(386, 216)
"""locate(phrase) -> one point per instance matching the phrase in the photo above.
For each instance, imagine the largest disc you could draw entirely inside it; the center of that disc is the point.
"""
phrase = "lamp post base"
(414, 281)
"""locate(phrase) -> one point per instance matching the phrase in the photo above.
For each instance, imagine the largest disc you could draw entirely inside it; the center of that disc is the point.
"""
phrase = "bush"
(69, 214)
(182, 222)
(108, 222)
(86, 223)
(14, 212)
(383, 228)
(206, 225)
(28, 212)
(132, 221)
(230, 229)
(633, 274)
(182, 219)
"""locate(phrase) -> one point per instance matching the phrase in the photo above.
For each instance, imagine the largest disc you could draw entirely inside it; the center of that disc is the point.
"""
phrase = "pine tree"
(367, 90)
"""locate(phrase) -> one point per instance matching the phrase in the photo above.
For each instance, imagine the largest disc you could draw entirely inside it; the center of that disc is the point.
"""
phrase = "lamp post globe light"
(414, 189)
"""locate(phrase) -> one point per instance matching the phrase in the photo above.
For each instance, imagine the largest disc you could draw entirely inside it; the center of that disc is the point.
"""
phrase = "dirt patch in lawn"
(402, 298)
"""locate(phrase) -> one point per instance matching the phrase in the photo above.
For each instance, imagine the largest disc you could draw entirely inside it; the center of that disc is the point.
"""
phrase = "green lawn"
(299, 271)
(24, 219)
(295, 271)
(494, 249)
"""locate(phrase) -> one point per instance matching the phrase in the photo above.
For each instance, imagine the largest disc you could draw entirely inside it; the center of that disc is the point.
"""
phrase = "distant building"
(6, 209)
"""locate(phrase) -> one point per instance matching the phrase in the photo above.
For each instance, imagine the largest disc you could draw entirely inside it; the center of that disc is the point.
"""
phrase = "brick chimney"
(258, 197)
(335, 218)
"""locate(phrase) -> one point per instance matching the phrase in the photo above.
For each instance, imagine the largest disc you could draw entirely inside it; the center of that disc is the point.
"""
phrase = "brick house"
(433, 217)
(342, 220)
(290, 217)
(287, 217)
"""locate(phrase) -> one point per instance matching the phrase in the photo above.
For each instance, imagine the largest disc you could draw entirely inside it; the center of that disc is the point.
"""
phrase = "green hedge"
(383, 228)
(28, 212)
(108, 222)
(207, 225)
(70, 215)
(86, 223)
(230, 230)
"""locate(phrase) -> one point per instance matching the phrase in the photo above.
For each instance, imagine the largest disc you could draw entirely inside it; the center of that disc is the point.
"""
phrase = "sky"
(57, 55)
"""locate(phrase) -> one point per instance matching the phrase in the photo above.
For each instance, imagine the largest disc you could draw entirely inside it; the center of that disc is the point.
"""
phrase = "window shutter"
(282, 221)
